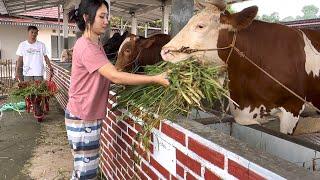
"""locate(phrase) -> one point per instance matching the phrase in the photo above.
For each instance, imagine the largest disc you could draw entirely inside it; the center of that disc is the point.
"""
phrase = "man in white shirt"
(31, 54)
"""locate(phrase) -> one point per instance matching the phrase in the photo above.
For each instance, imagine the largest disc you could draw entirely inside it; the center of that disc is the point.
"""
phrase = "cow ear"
(146, 43)
(200, 5)
(240, 20)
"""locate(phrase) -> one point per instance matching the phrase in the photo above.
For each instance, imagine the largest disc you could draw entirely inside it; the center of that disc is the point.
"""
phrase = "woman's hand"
(162, 79)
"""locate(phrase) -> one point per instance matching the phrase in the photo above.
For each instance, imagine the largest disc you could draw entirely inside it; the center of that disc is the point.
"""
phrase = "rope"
(241, 54)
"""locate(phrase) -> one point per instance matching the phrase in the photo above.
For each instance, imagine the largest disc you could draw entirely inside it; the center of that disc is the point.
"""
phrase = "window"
(54, 45)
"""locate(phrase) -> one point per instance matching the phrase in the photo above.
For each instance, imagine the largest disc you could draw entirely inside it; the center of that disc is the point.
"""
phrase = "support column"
(146, 30)
(181, 12)
(65, 28)
(134, 24)
(165, 18)
(121, 26)
(59, 29)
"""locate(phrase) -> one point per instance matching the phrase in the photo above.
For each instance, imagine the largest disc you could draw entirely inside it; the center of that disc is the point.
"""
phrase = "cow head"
(130, 50)
(202, 32)
(112, 45)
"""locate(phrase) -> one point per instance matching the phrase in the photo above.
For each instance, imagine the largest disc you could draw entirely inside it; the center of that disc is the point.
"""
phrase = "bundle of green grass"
(193, 85)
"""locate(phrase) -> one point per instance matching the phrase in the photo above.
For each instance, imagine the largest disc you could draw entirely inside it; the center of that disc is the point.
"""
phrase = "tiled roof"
(46, 13)
(28, 22)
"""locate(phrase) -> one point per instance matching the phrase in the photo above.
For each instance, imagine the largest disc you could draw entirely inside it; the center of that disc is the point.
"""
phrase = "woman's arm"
(110, 72)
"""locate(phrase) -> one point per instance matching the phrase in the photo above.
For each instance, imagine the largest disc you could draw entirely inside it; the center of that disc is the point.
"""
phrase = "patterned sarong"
(83, 137)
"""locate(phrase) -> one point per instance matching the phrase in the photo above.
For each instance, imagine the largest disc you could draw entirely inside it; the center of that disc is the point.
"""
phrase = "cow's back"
(277, 49)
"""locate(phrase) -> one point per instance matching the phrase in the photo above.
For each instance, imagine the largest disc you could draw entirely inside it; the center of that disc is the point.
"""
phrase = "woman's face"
(101, 20)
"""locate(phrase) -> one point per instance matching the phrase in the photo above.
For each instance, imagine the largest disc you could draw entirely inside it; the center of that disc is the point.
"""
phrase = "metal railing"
(6, 76)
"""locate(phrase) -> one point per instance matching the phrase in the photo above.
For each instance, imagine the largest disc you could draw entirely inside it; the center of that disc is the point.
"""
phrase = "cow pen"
(202, 146)
(6, 76)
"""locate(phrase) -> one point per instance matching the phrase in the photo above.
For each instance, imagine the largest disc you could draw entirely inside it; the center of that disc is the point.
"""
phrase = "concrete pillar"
(146, 30)
(181, 12)
(65, 28)
(165, 18)
(121, 26)
(59, 29)
(134, 24)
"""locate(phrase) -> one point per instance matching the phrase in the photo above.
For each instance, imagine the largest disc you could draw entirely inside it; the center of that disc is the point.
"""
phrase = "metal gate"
(6, 76)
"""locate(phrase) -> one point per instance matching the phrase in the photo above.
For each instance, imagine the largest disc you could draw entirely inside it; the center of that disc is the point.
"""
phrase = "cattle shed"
(197, 147)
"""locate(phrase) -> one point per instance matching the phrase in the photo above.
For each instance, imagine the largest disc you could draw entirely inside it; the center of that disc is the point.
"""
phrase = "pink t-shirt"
(88, 90)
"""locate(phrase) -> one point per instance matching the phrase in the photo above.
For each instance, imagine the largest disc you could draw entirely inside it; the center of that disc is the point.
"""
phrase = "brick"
(117, 113)
(109, 106)
(148, 171)
(129, 121)
(208, 175)
(107, 137)
(117, 147)
(173, 133)
(108, 121)
(159, 168)
(116, 128)
(127, 159)
(122, 126)
(118, 165)
(113, 151)
(122, 144)
(190, 177)
(132, 133)
(180, 170)
(112, 117)
(140, 174)
(190, 163)
(205, 152)
(138, 127)
(241, 172)
(127, 138)
(121, 161)
(173, 177)
(112, 134)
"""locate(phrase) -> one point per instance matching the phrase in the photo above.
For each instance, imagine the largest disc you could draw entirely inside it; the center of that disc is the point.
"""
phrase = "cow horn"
(219, 4)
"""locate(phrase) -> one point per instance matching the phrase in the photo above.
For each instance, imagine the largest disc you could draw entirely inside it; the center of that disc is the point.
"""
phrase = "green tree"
(274, 17)
(310, 12)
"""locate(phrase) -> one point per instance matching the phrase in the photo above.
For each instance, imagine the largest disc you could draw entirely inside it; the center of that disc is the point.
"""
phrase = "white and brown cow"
(290, 55)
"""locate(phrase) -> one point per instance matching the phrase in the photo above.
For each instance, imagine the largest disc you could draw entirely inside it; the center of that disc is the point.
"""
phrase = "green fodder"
(191, 84)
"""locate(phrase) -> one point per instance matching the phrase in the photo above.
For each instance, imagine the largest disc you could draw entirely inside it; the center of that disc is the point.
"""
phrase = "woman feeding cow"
(90, 79)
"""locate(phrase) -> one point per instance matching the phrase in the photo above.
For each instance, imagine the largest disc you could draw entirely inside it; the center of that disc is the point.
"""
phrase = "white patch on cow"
(288, 121)
(312, 57)
(245, 116)
(226, 26)
(124, 42)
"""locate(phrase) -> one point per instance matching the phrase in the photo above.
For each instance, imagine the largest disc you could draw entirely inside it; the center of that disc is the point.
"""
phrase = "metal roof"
(145, 10)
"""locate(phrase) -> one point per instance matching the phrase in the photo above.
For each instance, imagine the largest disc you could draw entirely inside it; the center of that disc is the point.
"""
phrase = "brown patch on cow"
(240, 20)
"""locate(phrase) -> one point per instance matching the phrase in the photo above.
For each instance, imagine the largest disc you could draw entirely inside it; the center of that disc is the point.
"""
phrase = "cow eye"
(128, 51)
(200, 26)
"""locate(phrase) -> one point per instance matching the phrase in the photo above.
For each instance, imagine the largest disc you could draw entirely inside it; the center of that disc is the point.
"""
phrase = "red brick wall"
(195, 157)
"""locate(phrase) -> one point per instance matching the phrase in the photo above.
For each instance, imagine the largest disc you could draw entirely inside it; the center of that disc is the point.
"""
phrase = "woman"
(90, 78)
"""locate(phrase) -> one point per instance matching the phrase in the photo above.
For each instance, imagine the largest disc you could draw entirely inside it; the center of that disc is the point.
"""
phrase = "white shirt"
(33, 56)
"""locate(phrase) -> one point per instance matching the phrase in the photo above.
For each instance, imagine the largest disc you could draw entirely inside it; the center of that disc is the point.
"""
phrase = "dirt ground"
(32, 150)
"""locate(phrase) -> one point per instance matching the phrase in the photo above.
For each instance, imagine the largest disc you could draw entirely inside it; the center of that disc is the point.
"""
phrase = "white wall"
(11, 36)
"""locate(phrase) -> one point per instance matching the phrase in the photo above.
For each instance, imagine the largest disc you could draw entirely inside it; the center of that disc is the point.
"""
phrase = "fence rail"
(6, 76)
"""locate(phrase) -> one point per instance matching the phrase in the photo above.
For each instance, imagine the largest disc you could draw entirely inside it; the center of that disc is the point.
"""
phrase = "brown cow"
(288, 54)
(136, 51)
